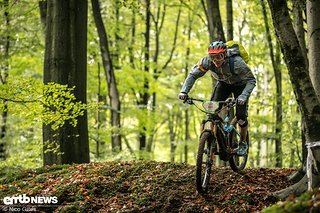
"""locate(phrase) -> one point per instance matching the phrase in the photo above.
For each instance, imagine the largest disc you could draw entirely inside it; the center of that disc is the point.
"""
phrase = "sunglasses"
(217, 57)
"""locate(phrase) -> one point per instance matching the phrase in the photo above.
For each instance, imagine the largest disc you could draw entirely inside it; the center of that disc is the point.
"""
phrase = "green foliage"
(60, 105)
(307, 202)
(52, 103)
(32, 103)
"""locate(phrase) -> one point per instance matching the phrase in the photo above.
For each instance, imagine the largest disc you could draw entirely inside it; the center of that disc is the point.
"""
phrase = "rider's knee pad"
(243, 123)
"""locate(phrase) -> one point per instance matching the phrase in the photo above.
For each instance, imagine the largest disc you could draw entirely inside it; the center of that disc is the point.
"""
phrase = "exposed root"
(298, 188)
(297, 176)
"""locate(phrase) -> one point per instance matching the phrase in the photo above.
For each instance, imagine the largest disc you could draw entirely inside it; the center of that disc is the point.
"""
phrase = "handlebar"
(190, 100)
(228, 101)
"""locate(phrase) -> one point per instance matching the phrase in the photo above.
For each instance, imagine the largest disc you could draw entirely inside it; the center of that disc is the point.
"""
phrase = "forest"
(97, 83)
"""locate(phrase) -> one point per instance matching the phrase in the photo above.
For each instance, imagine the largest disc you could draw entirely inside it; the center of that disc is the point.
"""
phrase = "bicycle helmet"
(217, 47)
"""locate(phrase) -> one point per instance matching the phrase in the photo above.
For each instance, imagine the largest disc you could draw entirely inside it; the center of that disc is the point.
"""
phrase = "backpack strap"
(231, 64)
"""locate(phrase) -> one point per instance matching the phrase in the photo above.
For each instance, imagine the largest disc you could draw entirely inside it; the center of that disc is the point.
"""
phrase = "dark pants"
(223, 90)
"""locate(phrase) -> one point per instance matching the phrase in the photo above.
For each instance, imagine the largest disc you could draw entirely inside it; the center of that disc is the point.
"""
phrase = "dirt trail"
(143, 186)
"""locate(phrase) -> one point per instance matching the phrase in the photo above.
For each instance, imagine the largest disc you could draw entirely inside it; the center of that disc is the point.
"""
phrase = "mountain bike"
(219, 136)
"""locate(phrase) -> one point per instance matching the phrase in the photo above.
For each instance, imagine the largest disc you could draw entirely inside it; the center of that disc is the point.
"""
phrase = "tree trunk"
(65, 63)
(313, 16)
(186, 69)
(4, 76)
(264, 147)
(133, 35)
(144, 96)
(172, 135)
(300, 32)
(116, 64)
(43, 13)
(214, 21)
(298, 27)
(229, 20)
(100, 120)
(156, 72)
(110, 78)
(278, 78)
(275, 60)
(158, 23)
(299, 76)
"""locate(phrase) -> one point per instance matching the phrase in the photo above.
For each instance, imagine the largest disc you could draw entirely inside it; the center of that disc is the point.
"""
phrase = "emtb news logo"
(24, 199)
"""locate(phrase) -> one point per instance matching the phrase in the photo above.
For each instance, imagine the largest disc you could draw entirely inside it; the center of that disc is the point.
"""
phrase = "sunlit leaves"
(60, 105)
(53, 104)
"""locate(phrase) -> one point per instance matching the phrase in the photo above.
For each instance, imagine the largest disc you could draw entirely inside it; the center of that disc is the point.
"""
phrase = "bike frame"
(215, 123)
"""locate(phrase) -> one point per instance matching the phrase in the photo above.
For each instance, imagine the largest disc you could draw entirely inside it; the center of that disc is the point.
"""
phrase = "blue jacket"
(242, 74)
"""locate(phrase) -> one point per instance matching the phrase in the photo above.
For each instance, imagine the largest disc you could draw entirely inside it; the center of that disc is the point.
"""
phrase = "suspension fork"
(209, 126)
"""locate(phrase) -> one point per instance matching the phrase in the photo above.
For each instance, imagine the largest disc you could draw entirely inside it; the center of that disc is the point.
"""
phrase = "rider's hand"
(241, 101)
(183, 96)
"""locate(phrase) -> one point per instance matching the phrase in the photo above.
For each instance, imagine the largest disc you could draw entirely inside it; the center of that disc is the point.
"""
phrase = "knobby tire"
(234, 159)
(203, 173)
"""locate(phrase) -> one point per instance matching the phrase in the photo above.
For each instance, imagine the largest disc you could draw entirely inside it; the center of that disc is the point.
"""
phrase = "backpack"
(236, 49)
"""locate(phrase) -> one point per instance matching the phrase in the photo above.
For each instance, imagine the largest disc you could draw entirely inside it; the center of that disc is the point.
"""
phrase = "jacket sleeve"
(250, 80)
(197, 71)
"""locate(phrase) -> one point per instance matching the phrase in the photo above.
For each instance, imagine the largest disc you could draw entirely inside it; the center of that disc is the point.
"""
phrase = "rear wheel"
(238, 163)
(204, 162)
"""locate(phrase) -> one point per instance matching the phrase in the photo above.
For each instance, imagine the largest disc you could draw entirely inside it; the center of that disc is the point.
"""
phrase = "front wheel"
(237, 162)
(204, 162)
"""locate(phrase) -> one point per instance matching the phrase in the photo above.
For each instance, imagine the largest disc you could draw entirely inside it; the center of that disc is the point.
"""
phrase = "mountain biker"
(233, 77)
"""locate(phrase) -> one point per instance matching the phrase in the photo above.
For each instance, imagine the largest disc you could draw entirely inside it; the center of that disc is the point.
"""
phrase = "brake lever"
(231, 101)
(188, 101)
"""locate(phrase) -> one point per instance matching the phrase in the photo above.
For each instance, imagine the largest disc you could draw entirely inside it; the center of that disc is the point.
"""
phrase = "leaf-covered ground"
(141, 186)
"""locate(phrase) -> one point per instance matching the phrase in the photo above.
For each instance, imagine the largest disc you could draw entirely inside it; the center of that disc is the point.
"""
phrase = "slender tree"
(229, 20)
(116, 54)
(275, 60)
(186, 70)
(65, 63)
(172, 135)
(110, 77)
(158, 19)
(297, 14)
(144, 96)
(100, 118)
(4, 76)
(158, 22)
(214, 21)
(133, 35)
